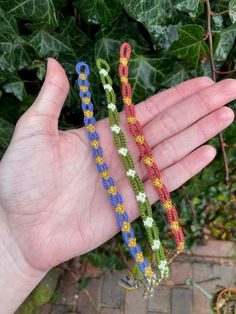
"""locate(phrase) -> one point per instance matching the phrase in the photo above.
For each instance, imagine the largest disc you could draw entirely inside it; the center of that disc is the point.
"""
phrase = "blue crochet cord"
(109, 184)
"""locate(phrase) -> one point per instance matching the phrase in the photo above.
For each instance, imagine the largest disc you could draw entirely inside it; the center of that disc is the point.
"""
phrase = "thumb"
(43, 114)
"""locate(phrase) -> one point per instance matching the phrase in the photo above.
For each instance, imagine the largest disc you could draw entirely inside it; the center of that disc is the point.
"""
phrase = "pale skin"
(52, 203)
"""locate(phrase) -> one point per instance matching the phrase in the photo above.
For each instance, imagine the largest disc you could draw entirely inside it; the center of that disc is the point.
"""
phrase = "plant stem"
(219, 13)
(230, 146)
(214, 71)
(225, 72)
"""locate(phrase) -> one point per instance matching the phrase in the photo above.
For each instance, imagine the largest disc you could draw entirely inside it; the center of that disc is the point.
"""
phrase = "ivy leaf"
(31, 10)
(146, 73)
(218, 23)
(74, 35)
(190, 45)
(219, 5)
(8, 24)
(225, 42)
(6, 132)
(177, 76)
(48, 44)
(7, 75)
(16, 88)
(99, 12)
(60, 3)
(110, 38)
(15, 54)
(193, 7)
(40, 67)
(156, 15)
(232, 10)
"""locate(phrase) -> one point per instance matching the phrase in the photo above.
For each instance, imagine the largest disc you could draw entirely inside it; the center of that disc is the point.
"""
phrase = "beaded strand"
(150, 278)
(128, 164)
(145, 150)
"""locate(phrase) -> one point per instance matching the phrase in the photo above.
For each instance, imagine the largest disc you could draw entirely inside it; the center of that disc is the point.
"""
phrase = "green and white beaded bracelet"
(128, 164)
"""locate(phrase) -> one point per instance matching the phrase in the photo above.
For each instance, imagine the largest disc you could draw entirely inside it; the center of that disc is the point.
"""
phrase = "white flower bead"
(123, 151)
(131, 173)
(107, 86)
(163, 265)
(111, 106)
(104, 72)
(141, 197)
(156, 245)
(115, 128)
(148, 222)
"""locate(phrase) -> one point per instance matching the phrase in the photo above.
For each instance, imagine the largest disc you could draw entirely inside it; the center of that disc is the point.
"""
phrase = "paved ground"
(212, 266)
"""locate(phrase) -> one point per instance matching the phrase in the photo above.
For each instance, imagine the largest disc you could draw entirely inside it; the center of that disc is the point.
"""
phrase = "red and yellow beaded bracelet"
(145, 150)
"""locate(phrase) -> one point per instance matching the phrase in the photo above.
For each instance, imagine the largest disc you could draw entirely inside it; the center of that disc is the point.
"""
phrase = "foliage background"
(169, 46)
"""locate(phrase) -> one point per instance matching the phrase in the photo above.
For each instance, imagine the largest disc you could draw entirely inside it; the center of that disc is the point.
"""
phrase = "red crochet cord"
(145, 150)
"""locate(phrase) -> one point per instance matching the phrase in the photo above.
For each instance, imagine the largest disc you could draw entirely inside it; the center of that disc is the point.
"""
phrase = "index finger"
(151, 107)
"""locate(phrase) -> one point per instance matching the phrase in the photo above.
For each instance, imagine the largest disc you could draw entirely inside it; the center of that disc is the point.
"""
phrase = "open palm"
(50, 193)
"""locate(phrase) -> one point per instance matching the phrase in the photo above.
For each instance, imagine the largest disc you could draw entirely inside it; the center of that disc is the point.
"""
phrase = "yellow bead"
(124, 79)
(127, 101)
(83, 88)
(131, 120)
(94, 144)
(181, 247)
(100, 160)
(105, 175)
(175, 226)
(88, 113)
(126, 227)
(90, 128)
(148, 271)
(139, 258)
(148, 161)
(86, 100)
(132, 242)
(112, 190)
(168, 205)
(120, 209)
(158, 182)
(123, 61)
(83, 76)
(139, 139)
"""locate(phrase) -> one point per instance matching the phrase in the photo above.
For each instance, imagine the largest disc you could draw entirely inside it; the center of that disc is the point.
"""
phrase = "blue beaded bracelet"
(109, 184)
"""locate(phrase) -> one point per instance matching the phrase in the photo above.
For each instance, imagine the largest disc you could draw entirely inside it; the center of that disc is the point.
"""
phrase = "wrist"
(17, 277)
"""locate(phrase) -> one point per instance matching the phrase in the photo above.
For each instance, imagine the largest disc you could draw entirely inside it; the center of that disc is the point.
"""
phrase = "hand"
(51, 196)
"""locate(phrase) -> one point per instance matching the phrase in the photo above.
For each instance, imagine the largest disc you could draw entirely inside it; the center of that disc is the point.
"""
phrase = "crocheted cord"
(150, 278)
(128, 164)
(145, 150)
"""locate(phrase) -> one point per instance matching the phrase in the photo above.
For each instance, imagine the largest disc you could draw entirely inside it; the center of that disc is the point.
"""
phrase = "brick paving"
(212, 266)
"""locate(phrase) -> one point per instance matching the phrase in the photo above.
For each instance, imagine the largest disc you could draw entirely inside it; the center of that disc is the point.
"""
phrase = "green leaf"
(15, 54)
(177, 76)
(40, 67)
(191, 45)
(232, 10)
(6, 132)
(16, 88)
(8, 24)
(70, 31)
(110, 38)
(218, 23)
(31, 10)
(48, 44)
(99, 11)
(219, 5)
(225, 43)
(156, 15)
(60, 3)
(146, 73)
(193, 7)
(6, 75)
